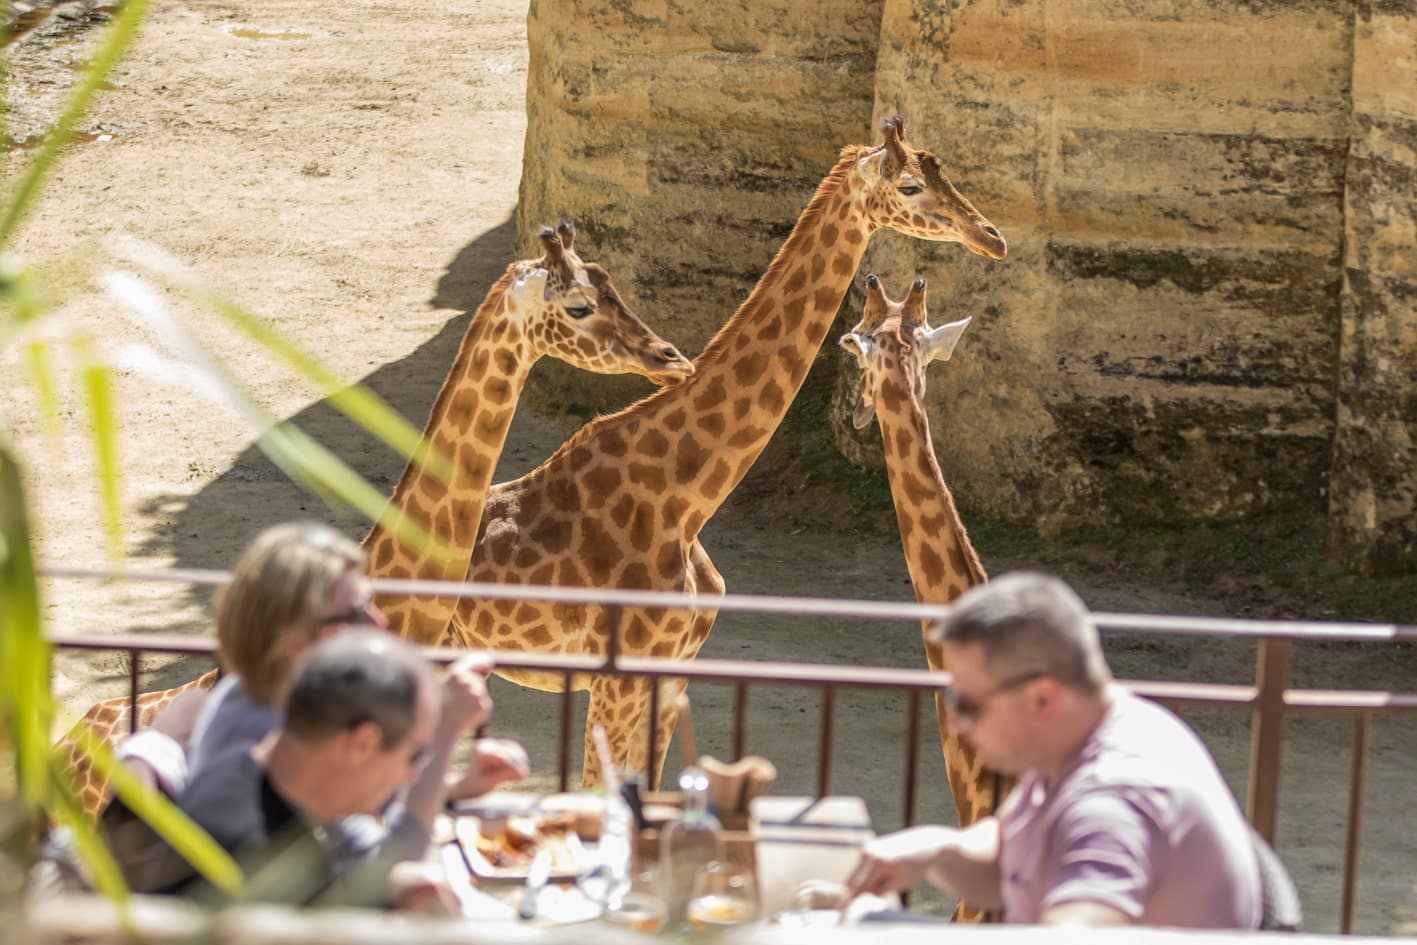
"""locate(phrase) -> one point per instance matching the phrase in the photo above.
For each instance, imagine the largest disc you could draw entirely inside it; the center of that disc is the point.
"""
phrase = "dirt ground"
(349, 171)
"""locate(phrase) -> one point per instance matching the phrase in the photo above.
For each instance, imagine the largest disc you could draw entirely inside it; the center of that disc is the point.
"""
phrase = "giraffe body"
(621, 504)
(893, 344)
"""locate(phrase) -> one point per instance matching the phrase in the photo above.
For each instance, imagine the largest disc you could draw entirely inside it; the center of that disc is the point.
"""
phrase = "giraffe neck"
(702, 436)
(941, 560)
(468, 424)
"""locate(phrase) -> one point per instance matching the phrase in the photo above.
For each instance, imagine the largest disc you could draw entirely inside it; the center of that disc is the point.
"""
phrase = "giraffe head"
(907, 190)
(571, 310)
(893, 343)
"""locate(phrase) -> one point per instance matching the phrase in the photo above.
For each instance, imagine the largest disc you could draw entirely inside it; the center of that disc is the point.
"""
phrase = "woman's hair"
(268, 611)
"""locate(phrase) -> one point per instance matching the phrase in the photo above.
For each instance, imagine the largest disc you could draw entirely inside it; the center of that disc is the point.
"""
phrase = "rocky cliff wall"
(1373, 513)
(1209, 205)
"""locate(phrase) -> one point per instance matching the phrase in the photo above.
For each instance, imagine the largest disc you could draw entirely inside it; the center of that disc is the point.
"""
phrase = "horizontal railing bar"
(804, 606)
(1298, 701)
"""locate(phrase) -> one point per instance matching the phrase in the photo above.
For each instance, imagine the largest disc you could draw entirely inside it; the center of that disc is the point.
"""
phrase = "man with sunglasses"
(1119, 814)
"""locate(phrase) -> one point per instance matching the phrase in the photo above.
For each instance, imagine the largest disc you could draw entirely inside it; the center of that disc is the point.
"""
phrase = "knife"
(536, 878)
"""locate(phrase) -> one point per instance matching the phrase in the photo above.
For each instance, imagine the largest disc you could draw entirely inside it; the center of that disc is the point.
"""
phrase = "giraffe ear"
(857, 344)
(896, 148)
(872, 167)
(940, 342)
(864, 413)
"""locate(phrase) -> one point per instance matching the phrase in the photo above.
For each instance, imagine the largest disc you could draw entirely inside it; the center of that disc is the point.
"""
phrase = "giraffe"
(893, 344)
(582, 320)
(621, 503)
(556, 305)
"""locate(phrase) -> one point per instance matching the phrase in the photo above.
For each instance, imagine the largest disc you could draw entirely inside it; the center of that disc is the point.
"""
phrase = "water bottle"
(687, 844)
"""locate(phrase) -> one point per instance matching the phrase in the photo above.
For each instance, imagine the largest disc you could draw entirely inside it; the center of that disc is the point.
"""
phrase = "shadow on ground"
(209, 529)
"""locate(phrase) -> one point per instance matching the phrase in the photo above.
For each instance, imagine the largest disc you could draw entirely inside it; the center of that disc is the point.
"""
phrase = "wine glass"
(639, 906)
(723, 895)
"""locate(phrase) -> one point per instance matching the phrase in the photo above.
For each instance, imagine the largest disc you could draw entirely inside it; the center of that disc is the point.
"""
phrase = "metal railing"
(1269, 700)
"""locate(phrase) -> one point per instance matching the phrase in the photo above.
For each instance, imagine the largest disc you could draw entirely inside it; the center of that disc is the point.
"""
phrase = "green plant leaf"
(358, 403)
(98, 390)
(37, 359)
(111, 48)
(24, 653)
(104, 872)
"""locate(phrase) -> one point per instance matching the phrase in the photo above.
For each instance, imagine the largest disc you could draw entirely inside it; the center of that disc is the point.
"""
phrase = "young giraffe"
(893, 343)
(557, 305)
(621, 504)
(583, 321)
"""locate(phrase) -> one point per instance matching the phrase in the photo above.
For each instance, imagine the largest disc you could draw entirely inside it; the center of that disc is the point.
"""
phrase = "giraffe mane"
(846, 160)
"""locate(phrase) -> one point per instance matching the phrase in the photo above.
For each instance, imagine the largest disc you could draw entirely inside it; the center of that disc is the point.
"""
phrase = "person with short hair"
(1120, 814)
(365, 718)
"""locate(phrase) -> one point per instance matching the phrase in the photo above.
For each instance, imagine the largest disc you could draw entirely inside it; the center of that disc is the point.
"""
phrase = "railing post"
(568, 705)
(1356, 777)
(824, 759)
(1267, 734)
(135, 658)
(912, 755)
(740, 720)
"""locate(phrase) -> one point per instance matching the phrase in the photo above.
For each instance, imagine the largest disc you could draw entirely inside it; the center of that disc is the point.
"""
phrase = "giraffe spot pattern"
(689, 459)
(712, 394)
(599, 552)
(653, 444)
(771, 331)
(611, 443)
(843, 264)
(497, 391)
(749, 368)
(642, 529)
(620, 513)
(648, 477)
(713, 486)
(932, 566)
(742, 407)
(829, 235)
(672, 513)
(571, 575)
(602, 481)
(794, 281)
(552, 534)
(635, 577)
(713, 424)
(772, 398)
(746, 436)
(670, 560)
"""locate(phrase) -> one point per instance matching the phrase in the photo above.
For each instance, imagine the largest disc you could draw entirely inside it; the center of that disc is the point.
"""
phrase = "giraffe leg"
(619, 704)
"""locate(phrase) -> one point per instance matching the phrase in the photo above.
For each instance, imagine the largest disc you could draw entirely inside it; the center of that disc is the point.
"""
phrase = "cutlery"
(536, 878)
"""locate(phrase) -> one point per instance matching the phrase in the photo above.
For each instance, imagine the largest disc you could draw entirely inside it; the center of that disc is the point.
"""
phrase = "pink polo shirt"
(1140, 820)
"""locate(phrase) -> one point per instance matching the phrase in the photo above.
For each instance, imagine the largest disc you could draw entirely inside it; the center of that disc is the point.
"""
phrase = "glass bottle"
(687, 844)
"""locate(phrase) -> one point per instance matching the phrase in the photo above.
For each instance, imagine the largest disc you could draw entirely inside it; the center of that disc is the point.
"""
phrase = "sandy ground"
(349, 171)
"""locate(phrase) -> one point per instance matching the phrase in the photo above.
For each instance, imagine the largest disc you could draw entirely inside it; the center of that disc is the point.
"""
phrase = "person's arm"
(466, 705)
(1084, 913)
(493, 762)
(962, 862)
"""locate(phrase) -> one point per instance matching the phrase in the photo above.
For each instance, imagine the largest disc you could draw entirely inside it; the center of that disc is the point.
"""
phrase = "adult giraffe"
(556, 305)
(621, 504)
(893, 343)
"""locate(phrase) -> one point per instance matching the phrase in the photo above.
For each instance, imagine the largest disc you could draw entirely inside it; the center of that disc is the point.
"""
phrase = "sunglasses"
(967, 710)
(357, 614)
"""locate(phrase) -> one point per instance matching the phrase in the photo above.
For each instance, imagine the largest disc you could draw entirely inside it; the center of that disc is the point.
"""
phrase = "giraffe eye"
(910, 190)
(579, 311)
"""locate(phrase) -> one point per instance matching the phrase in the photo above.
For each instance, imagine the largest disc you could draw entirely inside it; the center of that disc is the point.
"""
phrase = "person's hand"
(415, 886)
(466, 703)
(897, 861)
(177, 719)
(494, 761)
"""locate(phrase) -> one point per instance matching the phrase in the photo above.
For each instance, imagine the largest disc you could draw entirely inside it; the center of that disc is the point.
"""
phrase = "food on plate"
(508, 844)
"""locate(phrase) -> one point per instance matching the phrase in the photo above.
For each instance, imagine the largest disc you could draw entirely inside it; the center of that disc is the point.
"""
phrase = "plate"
(491, 858)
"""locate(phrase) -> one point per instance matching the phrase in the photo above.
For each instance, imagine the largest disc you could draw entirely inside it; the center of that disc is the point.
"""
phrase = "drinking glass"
(723, 895)
(640, 906)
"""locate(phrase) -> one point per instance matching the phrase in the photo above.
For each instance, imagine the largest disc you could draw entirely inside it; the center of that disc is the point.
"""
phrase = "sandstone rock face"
(1207, 308)
(684, 138)
(1373, 483)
